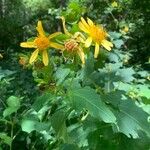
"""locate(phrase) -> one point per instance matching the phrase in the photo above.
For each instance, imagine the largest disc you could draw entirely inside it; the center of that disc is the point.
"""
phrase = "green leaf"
(126, 74)
(88, 70)
(4, 73)
(130, 118)
(113, 57)
(78, 134)
(115, 35)
(13, 103)
(144, 90)
(87, 98)
(101, 139)
(146, 108)
(73, 12)
(124, 86)
(113, 98)
(32, 123)
(143, 74)
(42, 101)
(58, 123)
(89, 66)
(145, 100)
(69, 147)
(8, 111)
(5, 138)
(118, 43)
(61, 74)
(28, 125)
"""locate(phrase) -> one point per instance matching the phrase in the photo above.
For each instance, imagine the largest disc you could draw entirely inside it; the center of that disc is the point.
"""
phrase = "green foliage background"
(104, 105)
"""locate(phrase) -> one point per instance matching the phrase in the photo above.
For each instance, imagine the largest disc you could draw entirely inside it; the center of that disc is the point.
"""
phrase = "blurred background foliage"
(129, 24)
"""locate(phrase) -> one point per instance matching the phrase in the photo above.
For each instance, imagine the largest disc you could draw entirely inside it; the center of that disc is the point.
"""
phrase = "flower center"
(42, 42)
(97, 33)
(71, 45)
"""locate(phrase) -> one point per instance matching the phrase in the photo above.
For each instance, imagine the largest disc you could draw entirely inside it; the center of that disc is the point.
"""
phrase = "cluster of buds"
(71, 45)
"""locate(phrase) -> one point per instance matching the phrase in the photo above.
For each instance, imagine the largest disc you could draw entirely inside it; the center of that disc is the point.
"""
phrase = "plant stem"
(11, 134)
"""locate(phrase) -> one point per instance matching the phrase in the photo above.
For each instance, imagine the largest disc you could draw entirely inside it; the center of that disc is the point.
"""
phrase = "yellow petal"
(90, 22)
(27, 45)
(81, 40)
(82, 27)
(126, 29)
(45, 57)
(81, 55)
(107, 34)
(1, 56)
(40, 29)
(96, 50)
(34, 56)
(56, 45)
(64, 27)
(106, 44)
(88, 42)
(79, 36)
(114, 4)
(54, 34)
(84, 23)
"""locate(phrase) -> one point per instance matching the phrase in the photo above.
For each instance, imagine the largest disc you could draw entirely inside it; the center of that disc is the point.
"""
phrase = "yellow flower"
(73, 44)
(96, 34)
(1, 56)
(114, 4)
(126, 29)
(41, 43)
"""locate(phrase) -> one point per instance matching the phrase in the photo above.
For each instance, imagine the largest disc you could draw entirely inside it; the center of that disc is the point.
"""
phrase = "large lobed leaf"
(131, 119)
(87, 98)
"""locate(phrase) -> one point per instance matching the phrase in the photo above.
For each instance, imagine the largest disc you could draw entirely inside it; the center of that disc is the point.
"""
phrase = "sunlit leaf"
(118, 43)
(126, 74)
(13, 105)
(5, 138)
(31, 123)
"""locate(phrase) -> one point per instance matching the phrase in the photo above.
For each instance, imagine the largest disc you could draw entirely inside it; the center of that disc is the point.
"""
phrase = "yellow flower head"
(114, 4)
(41, 43)
(73, 44)
(1, 56)
(96, 34)
(126, 29)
